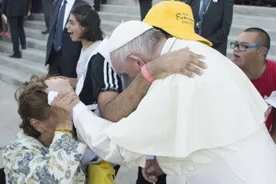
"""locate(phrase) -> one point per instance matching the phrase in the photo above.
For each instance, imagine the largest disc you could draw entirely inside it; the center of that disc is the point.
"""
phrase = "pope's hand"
(181, 61)
(59, 85)
(151, 171)
(63, 106)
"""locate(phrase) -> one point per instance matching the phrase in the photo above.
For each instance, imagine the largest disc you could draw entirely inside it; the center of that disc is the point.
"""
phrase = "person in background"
(270, 3)
(29, 15)
(1, 20)
(97, 4)
(47, 10)
(250, 55)
(213, 21)
(15, 10)
(44, 150)
(62, 53)
(84, 26)
(5, 27)
(2, 173)
(145, 6)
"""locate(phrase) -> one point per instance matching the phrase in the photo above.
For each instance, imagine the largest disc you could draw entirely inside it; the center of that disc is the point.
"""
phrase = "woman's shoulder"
(18, 155)
(97, 57)
(23, 142)
(96, 63)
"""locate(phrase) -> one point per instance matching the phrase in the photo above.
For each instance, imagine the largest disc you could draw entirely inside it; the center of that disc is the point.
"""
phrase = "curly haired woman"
(44, 151)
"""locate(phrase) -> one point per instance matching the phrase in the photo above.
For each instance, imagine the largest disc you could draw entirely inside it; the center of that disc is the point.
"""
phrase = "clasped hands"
(151, 171)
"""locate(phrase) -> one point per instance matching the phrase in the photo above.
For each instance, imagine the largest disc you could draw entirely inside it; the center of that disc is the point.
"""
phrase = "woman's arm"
(28, 164)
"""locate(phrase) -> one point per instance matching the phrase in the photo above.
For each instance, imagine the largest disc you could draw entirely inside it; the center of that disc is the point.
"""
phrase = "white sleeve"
(92, 130)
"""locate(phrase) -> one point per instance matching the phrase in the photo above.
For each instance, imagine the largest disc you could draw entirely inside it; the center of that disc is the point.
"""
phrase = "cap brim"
(187, 36)
(199, 38)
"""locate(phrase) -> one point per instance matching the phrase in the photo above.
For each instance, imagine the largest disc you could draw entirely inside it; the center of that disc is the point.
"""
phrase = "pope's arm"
(92, 130)
(142, 129)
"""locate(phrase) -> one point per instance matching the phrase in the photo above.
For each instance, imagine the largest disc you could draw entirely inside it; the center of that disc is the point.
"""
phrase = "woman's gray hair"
(143, 46)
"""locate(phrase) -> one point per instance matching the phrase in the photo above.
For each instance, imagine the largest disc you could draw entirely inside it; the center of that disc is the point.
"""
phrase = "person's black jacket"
(216, 23)
(15, 8)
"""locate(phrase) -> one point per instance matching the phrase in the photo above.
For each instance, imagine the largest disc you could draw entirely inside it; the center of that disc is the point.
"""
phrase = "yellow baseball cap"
(176, 18)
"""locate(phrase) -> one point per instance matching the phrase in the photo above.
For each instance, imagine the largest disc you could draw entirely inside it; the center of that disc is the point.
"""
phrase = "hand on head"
(187, 62)
(59, 85)
(182, 61)
(151, 171)
(63, 106)
(64, 103)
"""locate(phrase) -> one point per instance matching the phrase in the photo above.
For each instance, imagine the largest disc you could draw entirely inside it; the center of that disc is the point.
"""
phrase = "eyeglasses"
(243, 47)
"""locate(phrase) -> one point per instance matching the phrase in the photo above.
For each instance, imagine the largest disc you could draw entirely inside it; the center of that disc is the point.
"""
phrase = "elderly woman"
(44, 151)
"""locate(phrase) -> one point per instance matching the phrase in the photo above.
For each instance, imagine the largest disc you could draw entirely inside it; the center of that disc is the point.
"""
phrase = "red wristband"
(146, 74)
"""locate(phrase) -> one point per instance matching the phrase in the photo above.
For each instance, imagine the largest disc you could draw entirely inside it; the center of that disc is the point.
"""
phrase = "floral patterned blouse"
(27, 161)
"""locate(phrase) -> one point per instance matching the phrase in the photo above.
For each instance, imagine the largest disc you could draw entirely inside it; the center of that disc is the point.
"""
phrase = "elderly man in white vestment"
(202, 130)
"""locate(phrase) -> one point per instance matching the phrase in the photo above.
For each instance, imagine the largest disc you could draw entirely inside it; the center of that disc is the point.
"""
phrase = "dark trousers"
(59, 66)
(1, 20)
(97, 4)
(2, 176)
(54, 63)
(141, 180)
(145, 6)
(47, 9)
(17, 32)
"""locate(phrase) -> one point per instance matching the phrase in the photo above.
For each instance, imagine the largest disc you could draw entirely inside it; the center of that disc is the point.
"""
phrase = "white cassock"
(203, 130)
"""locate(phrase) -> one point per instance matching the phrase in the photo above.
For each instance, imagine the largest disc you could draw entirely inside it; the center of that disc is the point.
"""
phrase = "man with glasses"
(250, 51)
